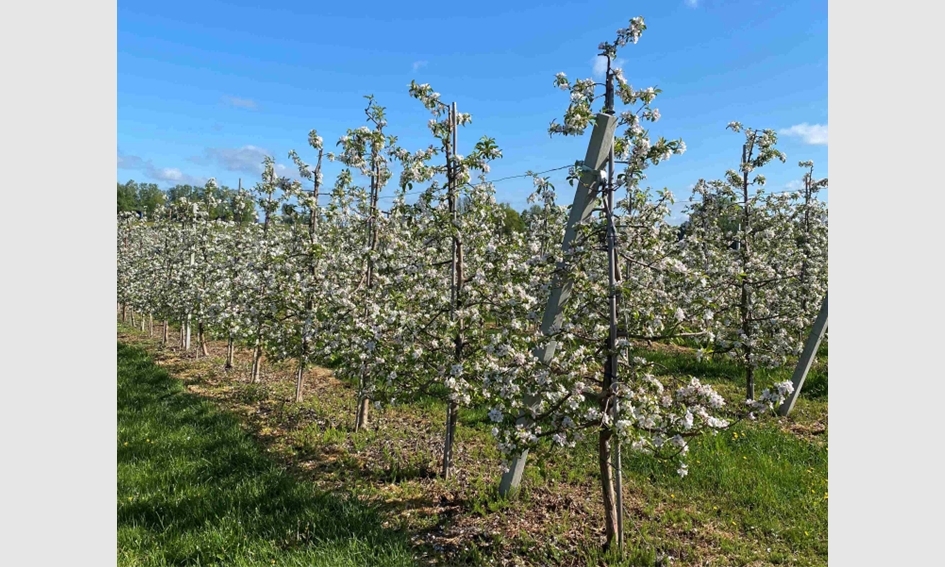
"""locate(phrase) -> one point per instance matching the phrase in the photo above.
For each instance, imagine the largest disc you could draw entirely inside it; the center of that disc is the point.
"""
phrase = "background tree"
(127, 197)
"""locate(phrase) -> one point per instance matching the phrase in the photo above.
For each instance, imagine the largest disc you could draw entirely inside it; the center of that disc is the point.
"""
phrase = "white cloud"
(692, 3)
(166, 174)
(599, 65)
(130, 162)
(170, 174)
(814, 134)
(794, 185)
(418, 64)
(240, 102)
(247, 159)
(285, 171)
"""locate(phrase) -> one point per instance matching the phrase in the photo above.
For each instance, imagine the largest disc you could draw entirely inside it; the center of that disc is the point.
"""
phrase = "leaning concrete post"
(807, 358)
(585, 200)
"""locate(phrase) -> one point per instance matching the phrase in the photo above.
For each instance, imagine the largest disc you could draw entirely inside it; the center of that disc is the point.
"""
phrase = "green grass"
(195, 489)
(722, 369)
(755, 494)
(764, 486)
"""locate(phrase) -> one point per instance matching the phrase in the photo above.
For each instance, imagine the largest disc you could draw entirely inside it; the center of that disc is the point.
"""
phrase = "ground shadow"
(194, 488)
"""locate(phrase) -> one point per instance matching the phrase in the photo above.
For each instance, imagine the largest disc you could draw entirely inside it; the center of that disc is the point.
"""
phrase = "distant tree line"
(147, 198)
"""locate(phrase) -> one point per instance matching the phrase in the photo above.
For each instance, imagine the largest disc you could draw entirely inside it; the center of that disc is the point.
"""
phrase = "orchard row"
(434, 296)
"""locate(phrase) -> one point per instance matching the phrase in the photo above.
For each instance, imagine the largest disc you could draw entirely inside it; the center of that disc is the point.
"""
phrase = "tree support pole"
(585, 200)
(807, 358)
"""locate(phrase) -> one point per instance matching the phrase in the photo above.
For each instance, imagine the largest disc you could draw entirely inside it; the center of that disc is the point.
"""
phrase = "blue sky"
(207, 88)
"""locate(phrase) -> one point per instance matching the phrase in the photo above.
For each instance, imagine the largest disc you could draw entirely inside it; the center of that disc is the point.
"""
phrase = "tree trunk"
(607, 486)
(750, 380)
(229, 354)
(456, 290)
(611, 482)
(202, 339)
(299, 377)
(745, 305)
(132, 317)
(808, 179)
(124, 313)
(150, 325)
(452, 413)
(364, 407)
(187, 333)
(257, 363)
(166, 331)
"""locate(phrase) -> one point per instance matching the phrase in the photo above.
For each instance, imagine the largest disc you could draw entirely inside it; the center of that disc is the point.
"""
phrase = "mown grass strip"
(195, 489)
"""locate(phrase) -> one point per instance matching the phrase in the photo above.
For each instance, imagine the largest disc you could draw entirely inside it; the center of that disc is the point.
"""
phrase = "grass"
(755, 494)
(195, 489)
(724, 370)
